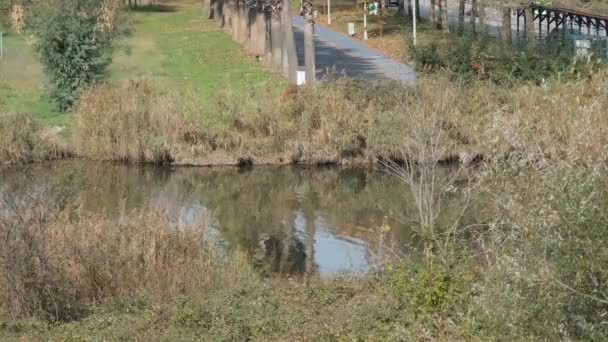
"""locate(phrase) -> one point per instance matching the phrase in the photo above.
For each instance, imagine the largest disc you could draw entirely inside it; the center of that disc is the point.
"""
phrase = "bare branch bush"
(422, 168)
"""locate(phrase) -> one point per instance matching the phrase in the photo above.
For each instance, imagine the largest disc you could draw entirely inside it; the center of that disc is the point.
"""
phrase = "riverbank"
(345, 122)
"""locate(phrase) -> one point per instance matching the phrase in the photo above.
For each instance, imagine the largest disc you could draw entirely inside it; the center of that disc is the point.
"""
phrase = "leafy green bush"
(482, 57)
(72, 44)
(428, 289)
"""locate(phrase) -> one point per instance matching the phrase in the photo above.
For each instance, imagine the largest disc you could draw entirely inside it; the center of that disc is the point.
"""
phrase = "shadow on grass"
(158, 8)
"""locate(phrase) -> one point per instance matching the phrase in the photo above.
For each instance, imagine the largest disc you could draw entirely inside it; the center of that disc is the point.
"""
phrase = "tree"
(72, 45)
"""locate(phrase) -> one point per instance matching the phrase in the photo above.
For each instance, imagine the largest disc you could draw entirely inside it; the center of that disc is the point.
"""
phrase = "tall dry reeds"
(23, 140)
(134, 121)
(56, 259)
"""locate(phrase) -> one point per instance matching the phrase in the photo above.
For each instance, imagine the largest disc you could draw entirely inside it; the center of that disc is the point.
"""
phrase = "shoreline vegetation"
(340, 123)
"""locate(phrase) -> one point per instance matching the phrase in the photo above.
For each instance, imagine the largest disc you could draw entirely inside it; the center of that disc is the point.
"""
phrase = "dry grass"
(54, 262)
(134, 121)
(23, 140)
(346, 120)
(557, 121)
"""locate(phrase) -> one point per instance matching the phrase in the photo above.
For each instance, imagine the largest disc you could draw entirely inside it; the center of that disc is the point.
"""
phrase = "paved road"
(336, 53)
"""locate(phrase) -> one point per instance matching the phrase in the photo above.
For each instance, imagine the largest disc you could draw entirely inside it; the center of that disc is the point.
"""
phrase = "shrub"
(469, 56)
(431, 288)
(73, 48)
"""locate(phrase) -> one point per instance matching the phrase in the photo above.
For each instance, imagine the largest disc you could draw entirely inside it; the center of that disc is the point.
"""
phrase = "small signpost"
(365, 20)
(373, 8)
(414, 22)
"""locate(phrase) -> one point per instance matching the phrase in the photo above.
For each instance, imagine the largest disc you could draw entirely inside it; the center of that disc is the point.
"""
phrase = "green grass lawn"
(22, 82)
(172, 43)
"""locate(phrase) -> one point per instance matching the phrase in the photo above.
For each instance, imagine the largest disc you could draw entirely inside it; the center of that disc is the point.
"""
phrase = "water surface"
(293, 219)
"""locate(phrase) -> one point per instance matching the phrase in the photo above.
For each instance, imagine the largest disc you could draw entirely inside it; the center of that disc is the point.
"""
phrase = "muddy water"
(292, 219)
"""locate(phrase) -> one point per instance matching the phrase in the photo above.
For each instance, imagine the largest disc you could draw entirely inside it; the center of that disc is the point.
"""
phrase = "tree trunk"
(219, 12)
(235, 15)
(309, 52)
(290, 58)
(381, 17)
(276, 41)
(243, 29)
(260, 41)
(250, 42)
(445, 25)
(481, 12)
(211, 9)
(409, 7)
(267, 39)
(506, 25)
(474, 15)
(307, 12)
(460, 16)
(432, 15)
(227, 16)
(402, 8)
(417, 9)
(530, 29)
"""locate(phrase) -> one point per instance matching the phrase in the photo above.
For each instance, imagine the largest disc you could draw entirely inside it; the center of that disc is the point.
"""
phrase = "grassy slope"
(172, 45)
(22, 82)
(175, 45)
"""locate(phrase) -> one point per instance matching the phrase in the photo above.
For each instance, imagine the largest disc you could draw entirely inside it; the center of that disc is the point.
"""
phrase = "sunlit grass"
(179, 48)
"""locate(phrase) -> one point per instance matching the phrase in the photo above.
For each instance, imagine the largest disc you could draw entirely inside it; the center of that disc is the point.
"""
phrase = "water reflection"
(279, 215)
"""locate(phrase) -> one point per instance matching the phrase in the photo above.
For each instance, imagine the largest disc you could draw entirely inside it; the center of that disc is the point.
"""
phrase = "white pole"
(414, 20)
(1, 45)
(364, 21)
(328, 12)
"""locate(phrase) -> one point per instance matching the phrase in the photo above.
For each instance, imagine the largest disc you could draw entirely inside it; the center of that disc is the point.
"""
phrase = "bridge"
(561, 19)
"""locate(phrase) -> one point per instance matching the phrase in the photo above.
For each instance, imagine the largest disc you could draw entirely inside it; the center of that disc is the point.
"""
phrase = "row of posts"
(264, 28)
